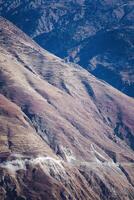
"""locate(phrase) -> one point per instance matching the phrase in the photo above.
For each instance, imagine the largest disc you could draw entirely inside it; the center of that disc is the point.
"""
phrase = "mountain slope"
(97, 34)
(63, 133)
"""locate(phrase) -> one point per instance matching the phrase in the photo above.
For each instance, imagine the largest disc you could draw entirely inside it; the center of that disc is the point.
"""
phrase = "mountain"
(63, 133)
(97, 34)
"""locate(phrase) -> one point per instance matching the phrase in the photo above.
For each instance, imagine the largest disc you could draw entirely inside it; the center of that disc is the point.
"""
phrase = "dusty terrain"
(63, 133)
(97, 34)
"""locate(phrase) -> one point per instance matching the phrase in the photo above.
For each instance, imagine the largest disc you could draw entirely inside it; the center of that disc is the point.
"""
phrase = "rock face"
(97, 34)
(63, 133)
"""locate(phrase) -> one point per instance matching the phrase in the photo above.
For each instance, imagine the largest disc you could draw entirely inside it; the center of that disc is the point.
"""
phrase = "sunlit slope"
(64, 134)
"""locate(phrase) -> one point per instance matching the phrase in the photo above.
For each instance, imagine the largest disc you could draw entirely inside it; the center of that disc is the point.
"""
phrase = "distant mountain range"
(97, 34)
(64, 134)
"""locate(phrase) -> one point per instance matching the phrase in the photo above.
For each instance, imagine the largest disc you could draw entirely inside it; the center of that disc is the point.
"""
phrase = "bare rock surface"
(63, 133)
(97, 34)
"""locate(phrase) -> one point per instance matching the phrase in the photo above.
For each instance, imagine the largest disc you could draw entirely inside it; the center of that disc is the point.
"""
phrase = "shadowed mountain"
(97, 34)
(63, 133)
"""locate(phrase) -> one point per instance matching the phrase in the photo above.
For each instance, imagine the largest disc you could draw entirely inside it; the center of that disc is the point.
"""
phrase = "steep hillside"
(63, 133)
(97, 34)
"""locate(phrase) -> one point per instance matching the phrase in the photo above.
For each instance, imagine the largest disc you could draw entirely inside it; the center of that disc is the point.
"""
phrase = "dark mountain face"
(64, 134)
(97, 34)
